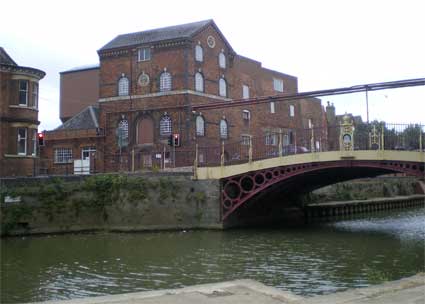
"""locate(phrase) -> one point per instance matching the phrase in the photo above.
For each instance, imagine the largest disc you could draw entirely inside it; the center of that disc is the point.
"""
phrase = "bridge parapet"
(345, 138)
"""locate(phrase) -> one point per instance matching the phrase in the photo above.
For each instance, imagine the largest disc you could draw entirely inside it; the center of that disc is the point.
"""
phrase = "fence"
(374, 136)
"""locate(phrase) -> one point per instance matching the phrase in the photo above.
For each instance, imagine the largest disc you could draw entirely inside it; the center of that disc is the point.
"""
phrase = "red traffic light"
(40, 139)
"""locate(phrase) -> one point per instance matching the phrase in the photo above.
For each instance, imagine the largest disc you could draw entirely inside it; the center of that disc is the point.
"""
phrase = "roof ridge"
(154, 35)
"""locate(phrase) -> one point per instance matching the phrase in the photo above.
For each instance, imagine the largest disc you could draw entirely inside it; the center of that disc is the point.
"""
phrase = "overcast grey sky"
(326, 44)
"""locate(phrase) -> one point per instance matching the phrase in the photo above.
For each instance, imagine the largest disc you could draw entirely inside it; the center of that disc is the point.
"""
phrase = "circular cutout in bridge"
(232, 190)
(247, 184)
(259, 179)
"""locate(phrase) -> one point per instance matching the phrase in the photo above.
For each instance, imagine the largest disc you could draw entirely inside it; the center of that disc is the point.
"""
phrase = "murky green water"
(309, 260)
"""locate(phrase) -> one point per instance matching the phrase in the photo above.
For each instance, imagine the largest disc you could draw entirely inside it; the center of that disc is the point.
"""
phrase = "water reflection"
(317, 259)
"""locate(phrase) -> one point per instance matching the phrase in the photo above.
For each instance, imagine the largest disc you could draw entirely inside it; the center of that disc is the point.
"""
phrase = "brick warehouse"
(18, 117)
(148, 84)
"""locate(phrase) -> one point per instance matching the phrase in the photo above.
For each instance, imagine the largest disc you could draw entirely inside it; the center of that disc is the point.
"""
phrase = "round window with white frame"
(211, 41)
(143, 80)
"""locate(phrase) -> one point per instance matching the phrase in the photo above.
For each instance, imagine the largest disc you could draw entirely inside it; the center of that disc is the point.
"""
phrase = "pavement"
(406, 291)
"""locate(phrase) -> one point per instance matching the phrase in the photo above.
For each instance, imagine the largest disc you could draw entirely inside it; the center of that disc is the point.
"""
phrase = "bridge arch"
(239, 189)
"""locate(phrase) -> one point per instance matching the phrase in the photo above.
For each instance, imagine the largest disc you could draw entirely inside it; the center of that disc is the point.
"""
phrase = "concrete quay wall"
(108, 203)
(345, 208)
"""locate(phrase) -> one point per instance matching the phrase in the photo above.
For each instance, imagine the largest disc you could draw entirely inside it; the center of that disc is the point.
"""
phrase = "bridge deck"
(368, 155)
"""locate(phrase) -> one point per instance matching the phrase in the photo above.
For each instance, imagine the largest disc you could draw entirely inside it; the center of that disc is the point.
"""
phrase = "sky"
(325, 44)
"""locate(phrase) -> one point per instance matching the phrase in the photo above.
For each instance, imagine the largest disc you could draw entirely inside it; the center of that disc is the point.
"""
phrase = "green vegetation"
(64, 202)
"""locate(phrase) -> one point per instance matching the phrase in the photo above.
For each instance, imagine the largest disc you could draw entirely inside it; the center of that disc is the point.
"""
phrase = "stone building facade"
(19, 91)
(150, 82)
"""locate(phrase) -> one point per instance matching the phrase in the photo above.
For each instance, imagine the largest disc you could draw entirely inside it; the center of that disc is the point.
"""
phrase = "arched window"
(222, 87)
(222, 60)
(165, 125)
(200, 126)
(199, 53)
(123, 86)
(165, 82)
(199, 82)
(122, 133)
(223, 129)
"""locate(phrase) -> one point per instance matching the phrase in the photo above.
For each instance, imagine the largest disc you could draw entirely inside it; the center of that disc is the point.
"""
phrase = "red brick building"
(149, 83)
(18, 117)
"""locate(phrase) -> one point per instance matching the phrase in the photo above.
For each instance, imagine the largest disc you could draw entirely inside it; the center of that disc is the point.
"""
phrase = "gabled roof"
(182, 31)
(86, 119)
(5, 58)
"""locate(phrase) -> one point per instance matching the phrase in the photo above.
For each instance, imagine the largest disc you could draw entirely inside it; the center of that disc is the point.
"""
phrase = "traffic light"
(40, 139)
(176, 140)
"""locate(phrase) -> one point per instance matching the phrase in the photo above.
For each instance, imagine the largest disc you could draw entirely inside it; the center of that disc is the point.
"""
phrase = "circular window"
(143, 80)
(211, 41)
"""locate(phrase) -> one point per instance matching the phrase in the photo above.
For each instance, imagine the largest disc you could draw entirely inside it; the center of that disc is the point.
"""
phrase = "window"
(271, 139)
(199, 53)
(165, 125)
(199, 82)
(63, 155)
(123, 86)
(200, 126)
(246, 139)
(22, 141)
(222, 87)
(34, 142)
(272, 107)
(122, 133)
(291, 110)
(310, 124)
(223, 129)
(23, 92)
(35, 95)
(246, 115)
(165, 81)
(278, 85)
(86, 152)
(245, 91)
(144, 54)
(222, 60)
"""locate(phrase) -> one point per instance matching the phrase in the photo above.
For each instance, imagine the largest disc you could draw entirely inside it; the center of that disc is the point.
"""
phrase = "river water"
(309, 260)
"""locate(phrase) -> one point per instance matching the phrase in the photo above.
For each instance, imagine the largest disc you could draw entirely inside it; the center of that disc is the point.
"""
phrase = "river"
(309, 260)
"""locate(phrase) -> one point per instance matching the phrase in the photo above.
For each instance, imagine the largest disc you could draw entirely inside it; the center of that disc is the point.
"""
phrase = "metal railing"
(373, 136)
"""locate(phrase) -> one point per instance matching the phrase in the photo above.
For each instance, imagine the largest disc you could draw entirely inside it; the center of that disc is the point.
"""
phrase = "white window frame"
(199, 53)
(245, 140)
(278, 84)
(144, 54)
(245, 91)
(222, 87)
(22, 139)
(35, 95)
(88, 150)
(23, 91)
(224, 130)
(222, 60)
(199, 82)
(165, 82)
(246, 115)
(123, 86)
(291, 111)
(272, 107)
(200, 126)
(271, 139)
(34, 142)
(62, 155)
(165, 125)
